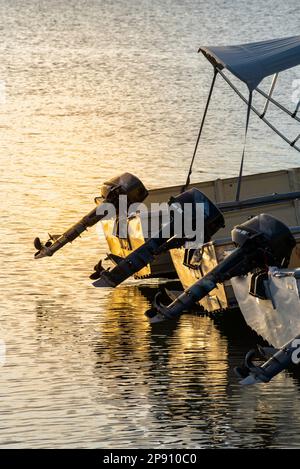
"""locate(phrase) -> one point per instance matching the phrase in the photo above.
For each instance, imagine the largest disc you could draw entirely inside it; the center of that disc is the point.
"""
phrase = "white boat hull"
(276, 319)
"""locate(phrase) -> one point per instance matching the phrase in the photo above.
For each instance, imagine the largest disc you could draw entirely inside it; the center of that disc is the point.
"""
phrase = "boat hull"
(219, 191)
(276, 319)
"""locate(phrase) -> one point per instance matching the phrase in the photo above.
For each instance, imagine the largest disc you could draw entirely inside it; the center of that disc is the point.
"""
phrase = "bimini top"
(251, 63)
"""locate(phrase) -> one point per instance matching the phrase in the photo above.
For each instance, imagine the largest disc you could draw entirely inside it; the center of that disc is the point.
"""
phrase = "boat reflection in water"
(173, 384)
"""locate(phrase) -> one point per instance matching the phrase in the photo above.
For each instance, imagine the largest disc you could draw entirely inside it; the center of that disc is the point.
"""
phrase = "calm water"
(94, 88)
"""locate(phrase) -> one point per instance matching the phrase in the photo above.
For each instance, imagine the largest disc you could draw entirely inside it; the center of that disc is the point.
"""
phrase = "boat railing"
(258, 201)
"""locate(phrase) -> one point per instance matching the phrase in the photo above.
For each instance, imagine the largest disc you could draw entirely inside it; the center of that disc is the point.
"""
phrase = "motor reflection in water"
(174, 384)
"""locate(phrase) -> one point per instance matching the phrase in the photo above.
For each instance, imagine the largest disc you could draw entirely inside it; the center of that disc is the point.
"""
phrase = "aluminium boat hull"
(219, 191)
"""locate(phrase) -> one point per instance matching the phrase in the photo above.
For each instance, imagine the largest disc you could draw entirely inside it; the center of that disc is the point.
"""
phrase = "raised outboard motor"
(126, 184)
(280, 359)
(261, 241)
(213, 221)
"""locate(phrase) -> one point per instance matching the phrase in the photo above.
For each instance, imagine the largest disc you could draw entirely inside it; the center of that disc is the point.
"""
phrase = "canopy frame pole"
(187, 182)
(280, 106)
(294, 115)
(273, 84)
(240, 95)
(295, 141)
(239, 185)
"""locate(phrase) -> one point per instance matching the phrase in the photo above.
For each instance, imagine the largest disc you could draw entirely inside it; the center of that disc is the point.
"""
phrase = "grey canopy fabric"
(251, 63)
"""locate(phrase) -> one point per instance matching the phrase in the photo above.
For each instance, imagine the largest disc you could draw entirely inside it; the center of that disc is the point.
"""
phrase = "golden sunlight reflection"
(94, 89)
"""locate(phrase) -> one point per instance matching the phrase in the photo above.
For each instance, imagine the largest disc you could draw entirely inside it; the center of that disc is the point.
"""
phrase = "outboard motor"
(280, 359)
(261, 241)
(213, 221)
(126, 184)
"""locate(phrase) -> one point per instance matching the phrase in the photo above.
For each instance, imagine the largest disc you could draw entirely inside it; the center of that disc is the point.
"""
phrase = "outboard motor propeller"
(135, 261)
(280, 359)
(126, 184)
(261, 241)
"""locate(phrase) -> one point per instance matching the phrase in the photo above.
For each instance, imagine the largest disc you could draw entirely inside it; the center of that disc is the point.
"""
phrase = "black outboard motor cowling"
(275, 236)
(261, 241)
(126, 184)
(213, 218)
